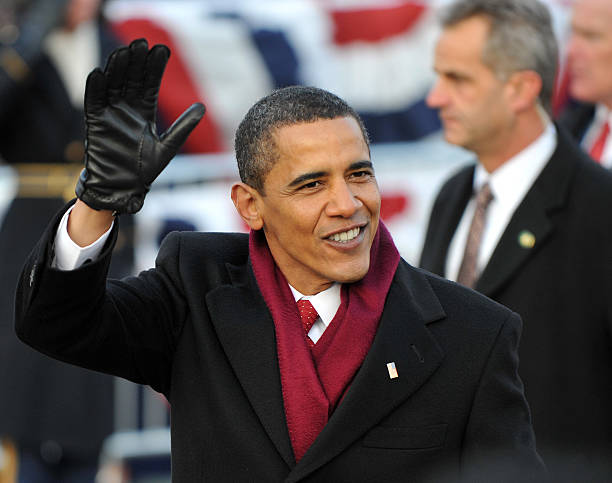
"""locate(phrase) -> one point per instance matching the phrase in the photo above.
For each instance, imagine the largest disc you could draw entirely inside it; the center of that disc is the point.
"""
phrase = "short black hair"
(256, 150)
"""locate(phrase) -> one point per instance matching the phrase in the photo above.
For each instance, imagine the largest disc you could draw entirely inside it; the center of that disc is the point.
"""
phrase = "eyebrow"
(317, 174)
(307, 177)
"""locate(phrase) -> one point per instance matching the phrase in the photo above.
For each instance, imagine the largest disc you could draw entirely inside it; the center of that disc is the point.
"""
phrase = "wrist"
(86, 225)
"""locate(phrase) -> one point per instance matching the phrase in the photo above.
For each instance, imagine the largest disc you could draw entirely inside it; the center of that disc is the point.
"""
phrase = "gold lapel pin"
(526, 239)
(392, 370)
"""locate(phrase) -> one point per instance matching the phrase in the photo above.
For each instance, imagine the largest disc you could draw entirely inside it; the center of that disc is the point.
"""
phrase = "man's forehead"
(592, 12)
(320, 146)
(473, 32)
(319, 133)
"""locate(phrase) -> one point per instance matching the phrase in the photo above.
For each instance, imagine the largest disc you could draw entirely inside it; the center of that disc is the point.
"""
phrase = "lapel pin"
(392, 370)
(526, 239)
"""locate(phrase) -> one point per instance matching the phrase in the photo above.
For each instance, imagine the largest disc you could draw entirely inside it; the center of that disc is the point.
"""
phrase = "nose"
(436, 97)
(343, 201)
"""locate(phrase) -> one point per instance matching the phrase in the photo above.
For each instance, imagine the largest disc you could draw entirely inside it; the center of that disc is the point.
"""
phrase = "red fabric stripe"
(178, 91)
(374, 25)
(561, 94)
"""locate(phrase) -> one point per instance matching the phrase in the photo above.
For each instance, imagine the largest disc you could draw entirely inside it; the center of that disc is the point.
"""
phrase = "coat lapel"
(445, 218)
(532, 222)
(246, 330)
(402, 338)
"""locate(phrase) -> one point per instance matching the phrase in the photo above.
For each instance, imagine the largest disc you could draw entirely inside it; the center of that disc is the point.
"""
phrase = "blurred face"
(469, 96)
(590, 52)
(79, 11)
(321, 205)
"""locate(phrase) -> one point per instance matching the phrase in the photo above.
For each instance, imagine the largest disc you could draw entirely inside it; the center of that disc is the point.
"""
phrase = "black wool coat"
(197, 329)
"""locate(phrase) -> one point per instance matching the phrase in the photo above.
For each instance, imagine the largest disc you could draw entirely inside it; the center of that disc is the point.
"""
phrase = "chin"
(581, 94)
(352, 274)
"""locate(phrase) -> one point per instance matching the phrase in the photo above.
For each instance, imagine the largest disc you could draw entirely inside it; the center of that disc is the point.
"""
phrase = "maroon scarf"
(314, 381)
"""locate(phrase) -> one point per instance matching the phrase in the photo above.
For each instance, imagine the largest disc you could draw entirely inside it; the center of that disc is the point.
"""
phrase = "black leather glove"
(123, 152)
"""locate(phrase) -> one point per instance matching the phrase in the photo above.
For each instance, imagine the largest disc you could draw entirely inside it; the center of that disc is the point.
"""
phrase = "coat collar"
(246, 331)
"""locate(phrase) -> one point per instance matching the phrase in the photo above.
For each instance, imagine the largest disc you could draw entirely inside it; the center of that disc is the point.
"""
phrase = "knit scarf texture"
(315, 380)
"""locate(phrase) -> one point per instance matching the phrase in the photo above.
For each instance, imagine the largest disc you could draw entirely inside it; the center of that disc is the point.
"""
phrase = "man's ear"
(524, 87)
(245, 200)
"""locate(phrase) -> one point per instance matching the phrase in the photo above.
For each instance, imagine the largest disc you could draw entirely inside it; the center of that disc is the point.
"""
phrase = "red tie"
(599, 144)
(308, 315)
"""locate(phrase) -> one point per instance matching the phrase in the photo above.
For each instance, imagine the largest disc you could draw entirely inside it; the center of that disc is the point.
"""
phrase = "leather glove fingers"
(123, 151)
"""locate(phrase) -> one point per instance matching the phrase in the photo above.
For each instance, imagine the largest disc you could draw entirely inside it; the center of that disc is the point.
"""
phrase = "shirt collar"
(326, 303)
(602, 115)
(511, 181)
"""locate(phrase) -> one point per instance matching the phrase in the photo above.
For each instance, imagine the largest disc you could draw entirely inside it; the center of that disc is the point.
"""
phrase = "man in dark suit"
(589, 61)
(543, 245)
(305, 351)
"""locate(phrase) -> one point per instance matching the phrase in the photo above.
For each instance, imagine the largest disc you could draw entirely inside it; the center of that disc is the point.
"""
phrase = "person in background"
(54, 415)
(529, 224)
(307, 350)
(588, 115)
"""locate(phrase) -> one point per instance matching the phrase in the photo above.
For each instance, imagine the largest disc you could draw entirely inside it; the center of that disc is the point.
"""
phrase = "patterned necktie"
(467, 272)
(308, 314)
(598, 146)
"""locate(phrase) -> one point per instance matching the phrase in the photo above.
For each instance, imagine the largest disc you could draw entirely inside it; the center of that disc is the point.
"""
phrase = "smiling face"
(470, 97)
(321, 205)
(590, 52)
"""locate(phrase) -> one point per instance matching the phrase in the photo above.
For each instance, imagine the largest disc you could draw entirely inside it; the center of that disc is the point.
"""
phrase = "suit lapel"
(246, 330)
(443, 224)
(402, 338)
(532, 222)
(527, 230)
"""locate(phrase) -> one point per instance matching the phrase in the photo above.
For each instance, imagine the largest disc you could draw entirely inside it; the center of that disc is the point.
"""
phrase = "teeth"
(345, 235)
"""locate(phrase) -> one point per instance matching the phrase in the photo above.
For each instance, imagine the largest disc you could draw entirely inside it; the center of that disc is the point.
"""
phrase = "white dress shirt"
(602, 115)
(75, 54)
(509, 185)
(326, 304)
(69, 256)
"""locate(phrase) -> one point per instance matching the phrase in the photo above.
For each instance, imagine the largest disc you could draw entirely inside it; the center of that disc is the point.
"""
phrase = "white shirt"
(602, 115)
(509, 185)
(74, 55)
(326, 304)
(69, 256)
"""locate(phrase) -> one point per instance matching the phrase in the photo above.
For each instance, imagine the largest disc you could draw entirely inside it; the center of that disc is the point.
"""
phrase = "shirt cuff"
(69, 255)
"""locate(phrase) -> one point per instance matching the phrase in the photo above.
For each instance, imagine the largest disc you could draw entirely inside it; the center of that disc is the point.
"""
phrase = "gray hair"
(521, 37)
(256, 151)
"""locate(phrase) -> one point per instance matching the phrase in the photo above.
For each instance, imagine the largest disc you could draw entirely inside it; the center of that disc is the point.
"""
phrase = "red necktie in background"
(599, 144)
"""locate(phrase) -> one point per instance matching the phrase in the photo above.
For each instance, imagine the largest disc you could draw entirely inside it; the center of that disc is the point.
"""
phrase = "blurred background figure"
(529, 225)
(55, 415)
(589, 57)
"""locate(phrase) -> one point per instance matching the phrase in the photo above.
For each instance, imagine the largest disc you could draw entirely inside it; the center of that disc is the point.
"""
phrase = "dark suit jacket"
(576, 118)
(562, 288)
(197, 329)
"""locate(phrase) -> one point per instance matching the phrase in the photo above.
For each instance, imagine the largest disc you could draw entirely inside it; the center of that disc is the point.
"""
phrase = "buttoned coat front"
(197, 329)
